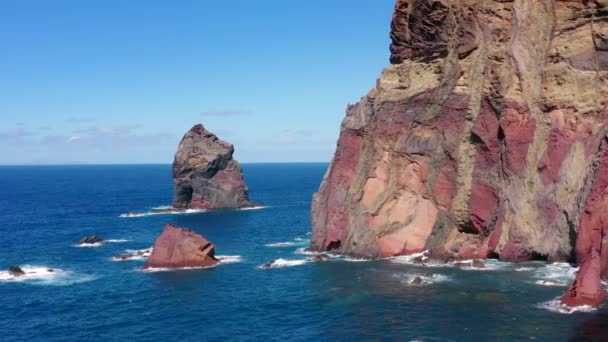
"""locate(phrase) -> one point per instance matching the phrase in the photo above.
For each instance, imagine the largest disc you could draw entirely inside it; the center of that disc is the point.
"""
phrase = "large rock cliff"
(485, 137)
(204, 174)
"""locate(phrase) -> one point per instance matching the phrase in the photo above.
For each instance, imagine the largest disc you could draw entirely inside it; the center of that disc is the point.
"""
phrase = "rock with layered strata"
(181, 248)
(484, 138)
(205, 176)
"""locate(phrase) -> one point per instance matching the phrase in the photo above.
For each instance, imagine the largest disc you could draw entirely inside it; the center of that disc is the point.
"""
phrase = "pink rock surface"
(483, 138)
(180, 248)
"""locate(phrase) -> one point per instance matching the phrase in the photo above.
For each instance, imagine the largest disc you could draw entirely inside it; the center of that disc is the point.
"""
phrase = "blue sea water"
(45, 210)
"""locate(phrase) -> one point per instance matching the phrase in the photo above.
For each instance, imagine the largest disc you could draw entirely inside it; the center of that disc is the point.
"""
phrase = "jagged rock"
(416, 281)
(15, 271)
(89, 240)
(485, 137)
(180, 248)
(586, 288)
(478, 264)
(204, 174)
(319, 258)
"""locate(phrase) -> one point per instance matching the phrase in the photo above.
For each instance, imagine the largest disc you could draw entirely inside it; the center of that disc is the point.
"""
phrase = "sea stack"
(181, 248)
(484, 138)
(204, 174)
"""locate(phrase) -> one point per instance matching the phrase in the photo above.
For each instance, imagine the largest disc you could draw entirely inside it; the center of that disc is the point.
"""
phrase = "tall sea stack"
(484, 138)
(204, 174)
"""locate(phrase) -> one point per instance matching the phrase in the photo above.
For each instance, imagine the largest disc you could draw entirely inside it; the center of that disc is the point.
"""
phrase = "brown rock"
(478, 264)
(179, 248)
(204, 174)
(15, 271)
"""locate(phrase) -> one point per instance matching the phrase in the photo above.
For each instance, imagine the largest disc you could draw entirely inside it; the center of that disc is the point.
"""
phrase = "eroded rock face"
(485, 137)
(180, 248)
(204, 174)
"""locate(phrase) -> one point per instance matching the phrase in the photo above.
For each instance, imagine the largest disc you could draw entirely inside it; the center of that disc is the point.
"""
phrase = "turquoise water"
(44, 211)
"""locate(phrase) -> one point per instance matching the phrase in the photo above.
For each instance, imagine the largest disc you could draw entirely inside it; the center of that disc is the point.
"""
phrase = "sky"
(115, 81)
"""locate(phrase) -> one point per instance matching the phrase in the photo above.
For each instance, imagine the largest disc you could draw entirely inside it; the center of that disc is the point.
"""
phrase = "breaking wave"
(88, 245)
(418, 279)
(163, 211)
(228, 259)
(279, 263)
(280, 244)
(555, 274)
(257, 207)
(117, 240)
(42, 275)
(556, 305)
(134, 254)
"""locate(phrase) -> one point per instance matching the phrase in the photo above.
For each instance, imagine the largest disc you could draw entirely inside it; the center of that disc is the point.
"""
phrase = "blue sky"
(115, 81)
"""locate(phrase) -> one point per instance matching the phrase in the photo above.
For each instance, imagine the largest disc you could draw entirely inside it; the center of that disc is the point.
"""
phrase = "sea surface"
(45, 210)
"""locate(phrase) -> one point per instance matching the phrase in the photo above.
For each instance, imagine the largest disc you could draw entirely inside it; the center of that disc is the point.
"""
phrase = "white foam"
(43, 275)
(280, 244)
(524, 269)
(490, 264)
(305, 251)
(556, 305)
(550, 282)
(165, 269)
(258, 207)
(229, 259)
(117, 240)
(555, 274)
(279, 263)
(88, 245)
(427, 279)
(152, 213)
(353, 259)
(302, 239)
(139, 254)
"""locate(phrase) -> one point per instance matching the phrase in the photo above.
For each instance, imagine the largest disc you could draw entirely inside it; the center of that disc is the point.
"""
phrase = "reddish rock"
(205, 176)
(586, 288)
(180, 248)
(481, 139)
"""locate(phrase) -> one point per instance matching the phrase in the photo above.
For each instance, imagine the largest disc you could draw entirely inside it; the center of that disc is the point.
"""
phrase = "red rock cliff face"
(485, 137)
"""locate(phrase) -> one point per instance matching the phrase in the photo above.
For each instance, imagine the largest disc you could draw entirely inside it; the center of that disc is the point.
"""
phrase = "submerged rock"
(181, 248)
(319, 258)
(15, 271)
(89, 240)
(204, 174)
(135, 255)
(416, 281)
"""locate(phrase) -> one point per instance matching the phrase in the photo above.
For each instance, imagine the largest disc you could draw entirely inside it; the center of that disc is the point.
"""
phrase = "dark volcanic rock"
(179, 248)
(204, 174)
(89, 240)
(15, 271)
(484, 138)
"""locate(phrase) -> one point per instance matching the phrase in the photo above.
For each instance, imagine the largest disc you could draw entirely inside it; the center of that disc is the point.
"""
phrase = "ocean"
(45, 210)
